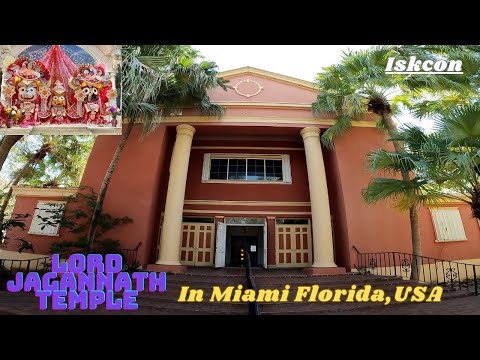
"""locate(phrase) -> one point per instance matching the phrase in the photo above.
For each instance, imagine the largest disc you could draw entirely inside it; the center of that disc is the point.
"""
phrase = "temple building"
(204, 190)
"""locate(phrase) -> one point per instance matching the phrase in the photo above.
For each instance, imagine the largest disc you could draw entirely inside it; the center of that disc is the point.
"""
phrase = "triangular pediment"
(252, 85)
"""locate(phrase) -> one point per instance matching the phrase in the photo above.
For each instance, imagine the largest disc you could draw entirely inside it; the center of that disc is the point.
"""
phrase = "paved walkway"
(27, 304)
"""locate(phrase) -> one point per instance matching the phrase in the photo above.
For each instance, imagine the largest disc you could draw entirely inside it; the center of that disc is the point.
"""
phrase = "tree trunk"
(414, 226)
(5, 145)
(475, 204)
(15, 182)
(416, 243)
(106, 181)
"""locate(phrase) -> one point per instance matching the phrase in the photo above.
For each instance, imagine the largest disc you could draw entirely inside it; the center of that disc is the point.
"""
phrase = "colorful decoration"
(114, 113)
(13, 115)
(25, 78)
(55, 91)
(90, 102)
(58, 104)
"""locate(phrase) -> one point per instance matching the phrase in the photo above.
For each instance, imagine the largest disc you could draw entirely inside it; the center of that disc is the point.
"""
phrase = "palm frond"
(383, 160)
(341, 127)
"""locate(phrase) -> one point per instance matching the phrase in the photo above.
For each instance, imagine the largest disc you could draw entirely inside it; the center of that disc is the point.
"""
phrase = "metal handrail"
(8, 267)
(456, 274)
(253, 307)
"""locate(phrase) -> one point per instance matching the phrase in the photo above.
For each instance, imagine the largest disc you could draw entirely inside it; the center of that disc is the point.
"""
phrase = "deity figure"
(25, 80)
(90, 87)
(58, 104)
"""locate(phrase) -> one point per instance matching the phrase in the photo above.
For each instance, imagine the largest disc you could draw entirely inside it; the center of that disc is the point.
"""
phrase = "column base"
(324, 270)
(168, 262)
(167, 268)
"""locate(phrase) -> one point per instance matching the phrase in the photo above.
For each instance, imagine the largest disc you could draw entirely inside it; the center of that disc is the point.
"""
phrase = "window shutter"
(448, 224)
(206, 167)
(44, 210)
(287, 172)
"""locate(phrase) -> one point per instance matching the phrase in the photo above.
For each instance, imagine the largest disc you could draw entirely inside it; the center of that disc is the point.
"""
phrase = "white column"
(171, 236)
(317, 183)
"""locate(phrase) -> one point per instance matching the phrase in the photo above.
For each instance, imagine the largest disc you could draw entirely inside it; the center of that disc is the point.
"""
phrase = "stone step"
(167, 302)
(206, 306)
(320, 307)
(265, 282)
(330, 308)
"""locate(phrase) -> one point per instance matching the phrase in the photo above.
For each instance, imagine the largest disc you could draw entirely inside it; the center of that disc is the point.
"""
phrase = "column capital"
(185, 129)
(310, 131)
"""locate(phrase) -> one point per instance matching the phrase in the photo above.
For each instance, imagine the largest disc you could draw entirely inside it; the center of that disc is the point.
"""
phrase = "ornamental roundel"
(248, 88)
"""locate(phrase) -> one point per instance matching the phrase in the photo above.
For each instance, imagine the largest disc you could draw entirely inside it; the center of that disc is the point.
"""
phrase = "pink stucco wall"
(139, 184)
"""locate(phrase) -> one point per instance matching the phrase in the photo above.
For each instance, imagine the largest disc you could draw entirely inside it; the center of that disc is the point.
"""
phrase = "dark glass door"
(245, 243)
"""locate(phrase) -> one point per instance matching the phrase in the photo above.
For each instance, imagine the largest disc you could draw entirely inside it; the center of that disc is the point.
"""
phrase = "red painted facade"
(139, 184)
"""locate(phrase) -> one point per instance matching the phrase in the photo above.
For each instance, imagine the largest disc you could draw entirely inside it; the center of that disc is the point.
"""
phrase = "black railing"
(454, 274)
(8, 267)
(130, 256)
(253, 307)
(130, 259)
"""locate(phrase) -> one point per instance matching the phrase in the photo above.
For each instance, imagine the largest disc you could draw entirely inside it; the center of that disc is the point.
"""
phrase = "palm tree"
(39, 155)
(157, 80)
(358, 86)
(406, 194)
(63, 166)
(455, 162)
(46, 160)
(6, 144)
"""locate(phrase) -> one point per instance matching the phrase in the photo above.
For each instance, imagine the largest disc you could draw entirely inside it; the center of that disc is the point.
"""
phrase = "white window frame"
(35, 226)
(438, 222)
(286, 169)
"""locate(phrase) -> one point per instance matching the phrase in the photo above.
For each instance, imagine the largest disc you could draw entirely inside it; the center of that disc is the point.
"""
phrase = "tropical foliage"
(157, 81)
(357, 87)
(62, 166)
(75, 218)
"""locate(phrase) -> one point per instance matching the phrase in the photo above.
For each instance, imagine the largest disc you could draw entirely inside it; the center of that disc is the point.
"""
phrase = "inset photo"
(60, 90)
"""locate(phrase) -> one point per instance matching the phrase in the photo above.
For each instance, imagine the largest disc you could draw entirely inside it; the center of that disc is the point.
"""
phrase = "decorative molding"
(263, 104)
(247, 70)
(259, 88)
(267, 120)
(43, 192)
(245, 203)
(245, 148)
(246, 182)
(244, 212)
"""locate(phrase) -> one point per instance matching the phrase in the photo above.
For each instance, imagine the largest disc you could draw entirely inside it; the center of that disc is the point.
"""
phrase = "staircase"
(165, 303)
(197, 278)
(295, 278)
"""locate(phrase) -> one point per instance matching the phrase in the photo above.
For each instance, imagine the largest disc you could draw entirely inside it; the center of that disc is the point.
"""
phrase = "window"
(246, 168)
(46, 219)
(448, 224)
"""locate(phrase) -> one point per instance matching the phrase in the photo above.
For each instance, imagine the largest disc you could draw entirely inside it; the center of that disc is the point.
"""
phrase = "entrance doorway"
(238, 236)
(243, 239)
